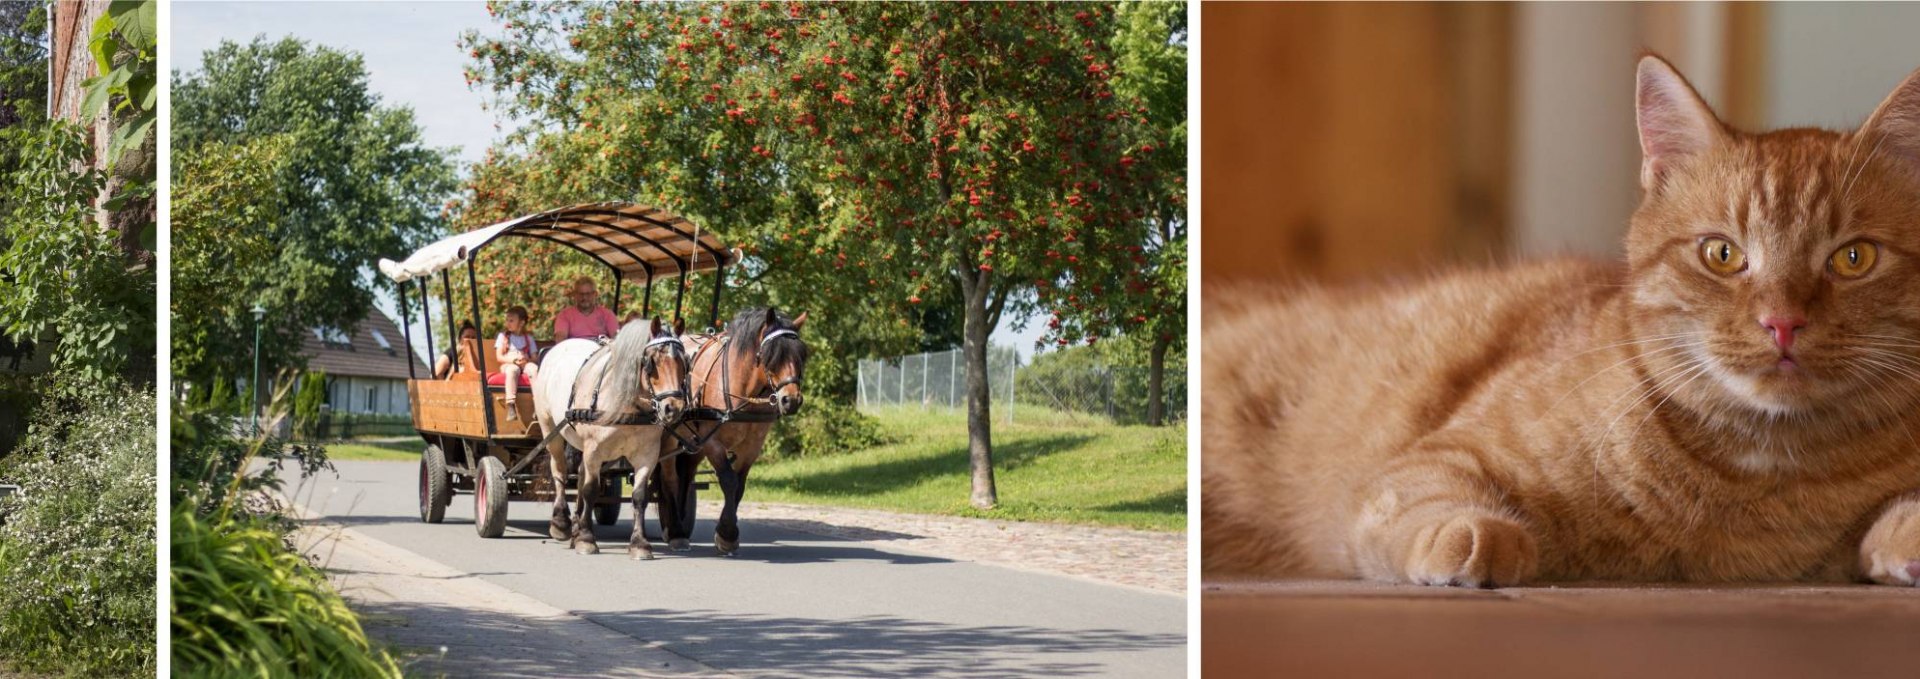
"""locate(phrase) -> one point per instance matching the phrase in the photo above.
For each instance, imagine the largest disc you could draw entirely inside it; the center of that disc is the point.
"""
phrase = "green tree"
(23, 62)
(1151, 47)
(354, 183)
(216, 186)
(866, 153)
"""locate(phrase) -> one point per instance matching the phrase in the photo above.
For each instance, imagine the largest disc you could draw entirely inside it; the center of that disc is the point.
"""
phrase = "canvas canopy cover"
(640, 242)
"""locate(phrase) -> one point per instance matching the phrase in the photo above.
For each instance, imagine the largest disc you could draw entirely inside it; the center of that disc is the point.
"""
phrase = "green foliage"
(1107, 378)
(68, 276)
(123, 44)
(23, 62)
(351, 182)
(218, 189)
(245, 605)
(308, 402)
(823, 429)
(77, 550)
(869, 158)
(243, 602)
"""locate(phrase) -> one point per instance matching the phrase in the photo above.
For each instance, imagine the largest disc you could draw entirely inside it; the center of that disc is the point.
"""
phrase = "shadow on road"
(874, 646)
(613, 540)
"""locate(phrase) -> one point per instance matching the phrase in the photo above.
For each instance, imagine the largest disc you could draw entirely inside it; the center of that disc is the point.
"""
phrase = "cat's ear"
(1895, 127)
(1674, 122)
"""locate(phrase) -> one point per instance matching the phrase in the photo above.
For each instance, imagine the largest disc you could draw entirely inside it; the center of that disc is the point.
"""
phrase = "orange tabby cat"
(1738, 401)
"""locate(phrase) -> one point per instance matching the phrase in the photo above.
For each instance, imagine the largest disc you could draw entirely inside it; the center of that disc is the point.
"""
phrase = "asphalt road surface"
(792, 603)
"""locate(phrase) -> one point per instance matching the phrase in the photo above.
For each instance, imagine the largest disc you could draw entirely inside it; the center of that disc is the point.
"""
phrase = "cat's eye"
(1722, 256)
(1854, 259)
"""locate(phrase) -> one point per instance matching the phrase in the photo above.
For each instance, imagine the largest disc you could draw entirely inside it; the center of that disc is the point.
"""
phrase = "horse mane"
(625, 372)
(748, 326)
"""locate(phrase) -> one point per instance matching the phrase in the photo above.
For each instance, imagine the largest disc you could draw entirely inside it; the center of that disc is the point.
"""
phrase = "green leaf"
(136, 21)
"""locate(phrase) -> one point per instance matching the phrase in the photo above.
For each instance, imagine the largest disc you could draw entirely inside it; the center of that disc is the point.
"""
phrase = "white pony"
(616, 400)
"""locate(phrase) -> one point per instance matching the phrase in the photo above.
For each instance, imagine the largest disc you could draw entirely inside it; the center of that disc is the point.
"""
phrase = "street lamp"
(259, 316)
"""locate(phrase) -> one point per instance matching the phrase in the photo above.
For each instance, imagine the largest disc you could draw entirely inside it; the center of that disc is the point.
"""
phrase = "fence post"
(953, 381)
(860, 379)
(903, 379)
(1012, 363)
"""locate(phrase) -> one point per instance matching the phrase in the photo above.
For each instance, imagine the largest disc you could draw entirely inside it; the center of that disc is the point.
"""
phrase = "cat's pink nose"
(1783, 329)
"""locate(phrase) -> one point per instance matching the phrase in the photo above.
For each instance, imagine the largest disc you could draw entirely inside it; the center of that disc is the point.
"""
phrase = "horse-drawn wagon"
(653, 387)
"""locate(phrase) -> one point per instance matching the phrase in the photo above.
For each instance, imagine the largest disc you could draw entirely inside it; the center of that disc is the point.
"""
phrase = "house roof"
(362, 354)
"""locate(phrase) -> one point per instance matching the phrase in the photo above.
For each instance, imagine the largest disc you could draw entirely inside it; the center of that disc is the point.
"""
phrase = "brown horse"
(752, 366)
(633, 389)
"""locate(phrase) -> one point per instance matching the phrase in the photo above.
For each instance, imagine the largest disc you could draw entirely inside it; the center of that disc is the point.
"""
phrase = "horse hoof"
(586, 548)
(639, 554)
(725, 546)
(679, 544)
(557, 533)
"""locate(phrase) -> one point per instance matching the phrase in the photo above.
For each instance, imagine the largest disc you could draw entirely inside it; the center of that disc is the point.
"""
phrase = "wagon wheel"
(490, 498)
(436, 485)
(607, 514)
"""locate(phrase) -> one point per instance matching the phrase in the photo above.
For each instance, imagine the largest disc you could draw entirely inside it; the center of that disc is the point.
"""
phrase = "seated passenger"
(515, 350)
(586, 319)
(443, 366)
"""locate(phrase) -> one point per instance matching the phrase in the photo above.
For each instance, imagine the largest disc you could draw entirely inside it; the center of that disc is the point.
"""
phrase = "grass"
(383, 451)
(1048, 466)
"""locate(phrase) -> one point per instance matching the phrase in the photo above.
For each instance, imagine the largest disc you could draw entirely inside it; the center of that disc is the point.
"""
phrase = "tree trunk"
(1156, 380)
(979, 399)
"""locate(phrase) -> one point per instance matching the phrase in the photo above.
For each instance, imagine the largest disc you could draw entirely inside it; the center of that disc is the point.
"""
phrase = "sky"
(413, 59)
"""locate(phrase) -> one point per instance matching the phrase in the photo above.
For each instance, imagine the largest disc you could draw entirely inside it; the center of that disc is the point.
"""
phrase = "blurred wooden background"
(1342, 137)
(1352, 140)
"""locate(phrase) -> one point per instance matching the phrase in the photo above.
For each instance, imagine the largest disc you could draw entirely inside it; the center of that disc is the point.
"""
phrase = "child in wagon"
(515, 350)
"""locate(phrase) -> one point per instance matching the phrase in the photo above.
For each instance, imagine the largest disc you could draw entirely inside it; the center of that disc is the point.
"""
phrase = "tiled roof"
(362, 354)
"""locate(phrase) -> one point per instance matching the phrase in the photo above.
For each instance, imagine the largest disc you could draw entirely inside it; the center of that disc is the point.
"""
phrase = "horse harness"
(638, 416)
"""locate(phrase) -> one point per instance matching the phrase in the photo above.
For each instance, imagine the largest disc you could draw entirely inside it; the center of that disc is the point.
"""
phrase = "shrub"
(307, 403)
(1110, 378)
(244, 602)
(246, 605)
(824, 429)
(77, 550)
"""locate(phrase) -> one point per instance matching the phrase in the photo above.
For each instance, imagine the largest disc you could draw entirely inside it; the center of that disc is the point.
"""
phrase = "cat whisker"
(1624, 361)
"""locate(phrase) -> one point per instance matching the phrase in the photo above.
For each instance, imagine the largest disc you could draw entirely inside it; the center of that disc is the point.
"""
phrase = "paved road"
(792, 603)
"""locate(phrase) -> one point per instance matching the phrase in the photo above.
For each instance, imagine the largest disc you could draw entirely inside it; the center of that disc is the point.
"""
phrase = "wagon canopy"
(637, 241)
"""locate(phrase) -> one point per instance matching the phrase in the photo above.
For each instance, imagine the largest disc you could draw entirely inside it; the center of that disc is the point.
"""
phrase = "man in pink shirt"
(586, 319)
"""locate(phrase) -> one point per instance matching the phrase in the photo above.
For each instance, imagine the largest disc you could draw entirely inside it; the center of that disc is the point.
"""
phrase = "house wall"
(371, 395)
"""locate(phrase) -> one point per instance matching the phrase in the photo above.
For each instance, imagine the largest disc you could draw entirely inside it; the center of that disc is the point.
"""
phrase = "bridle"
(773, 386)
(759, 358)
(649, 366)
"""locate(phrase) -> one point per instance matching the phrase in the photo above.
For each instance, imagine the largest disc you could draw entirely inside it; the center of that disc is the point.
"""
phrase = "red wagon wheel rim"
(480, 497)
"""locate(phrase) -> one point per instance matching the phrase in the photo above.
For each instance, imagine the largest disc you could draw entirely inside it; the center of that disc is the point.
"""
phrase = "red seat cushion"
(500, 380)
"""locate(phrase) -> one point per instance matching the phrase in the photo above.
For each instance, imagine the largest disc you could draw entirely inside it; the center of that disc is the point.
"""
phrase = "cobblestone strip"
(1146, 559)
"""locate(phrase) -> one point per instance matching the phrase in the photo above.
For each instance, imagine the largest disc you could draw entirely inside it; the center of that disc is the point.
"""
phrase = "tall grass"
(77, 547)
(245, 603)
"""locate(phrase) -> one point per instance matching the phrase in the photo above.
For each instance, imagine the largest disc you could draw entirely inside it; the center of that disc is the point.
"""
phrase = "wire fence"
(1119, 393)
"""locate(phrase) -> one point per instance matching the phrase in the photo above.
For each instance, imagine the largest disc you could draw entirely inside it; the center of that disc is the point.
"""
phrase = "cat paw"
(1890, 554)
(1474, 551)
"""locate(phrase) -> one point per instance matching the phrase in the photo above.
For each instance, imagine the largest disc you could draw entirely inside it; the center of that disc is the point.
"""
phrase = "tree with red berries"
(884, 153)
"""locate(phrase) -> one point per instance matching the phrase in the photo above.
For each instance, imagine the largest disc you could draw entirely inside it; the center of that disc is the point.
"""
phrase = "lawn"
(408, 450)
(1049, 466)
